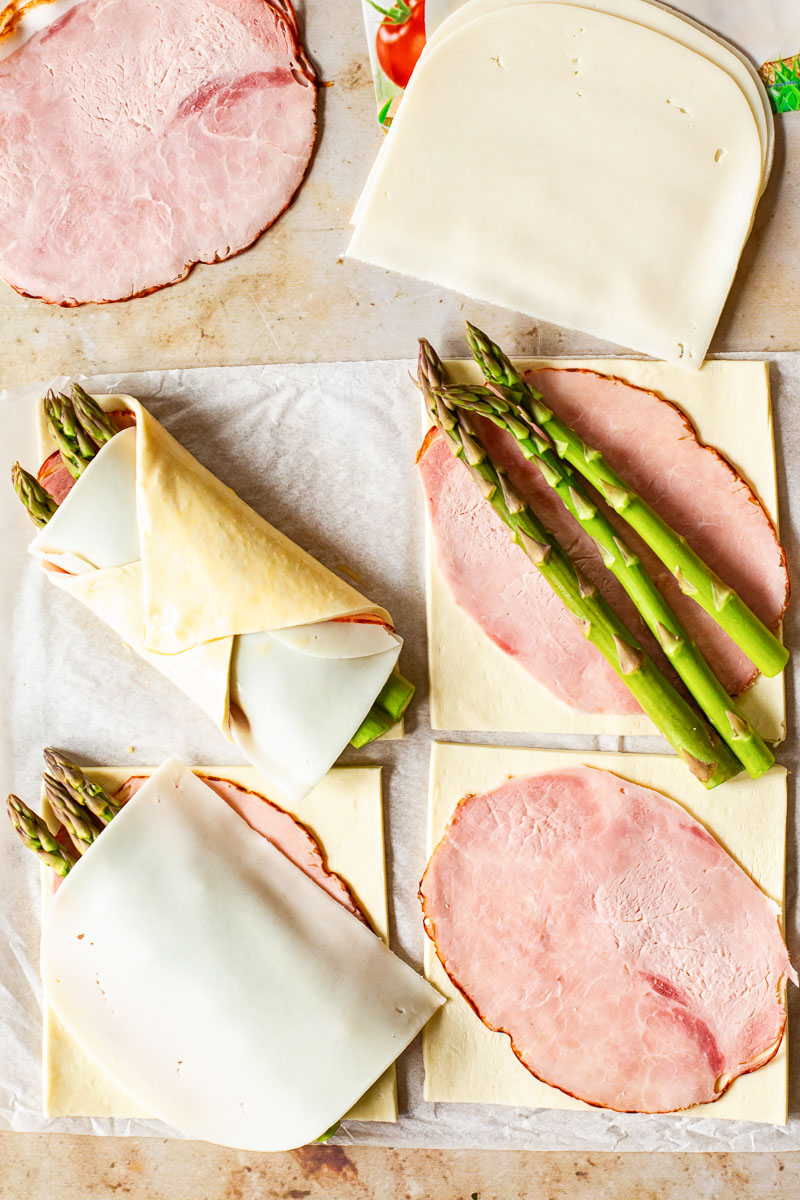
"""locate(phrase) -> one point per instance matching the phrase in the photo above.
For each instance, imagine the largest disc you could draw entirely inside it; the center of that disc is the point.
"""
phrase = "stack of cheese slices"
(597, 165)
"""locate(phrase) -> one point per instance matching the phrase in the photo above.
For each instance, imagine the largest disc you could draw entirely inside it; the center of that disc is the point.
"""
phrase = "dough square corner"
(345, 814)
(475, 686)
(464, 1061)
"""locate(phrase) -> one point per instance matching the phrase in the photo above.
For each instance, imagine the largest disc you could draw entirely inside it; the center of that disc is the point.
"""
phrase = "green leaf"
(383, 115)
(398, 14)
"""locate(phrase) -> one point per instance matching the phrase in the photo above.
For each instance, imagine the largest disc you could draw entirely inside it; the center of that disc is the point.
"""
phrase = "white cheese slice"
(766, 29)
(464, 1061)
(575, 166)
(345, 815)
(661, 19)
(279, 693)
(444, 16)
(338, 639)
(214, 982)
(290, 698)
(96, 525)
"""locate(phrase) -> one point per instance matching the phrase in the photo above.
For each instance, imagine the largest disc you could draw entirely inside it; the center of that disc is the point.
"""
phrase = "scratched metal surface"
(293, 298)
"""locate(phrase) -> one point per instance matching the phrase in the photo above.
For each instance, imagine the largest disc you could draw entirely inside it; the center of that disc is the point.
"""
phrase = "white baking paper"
(325, 452)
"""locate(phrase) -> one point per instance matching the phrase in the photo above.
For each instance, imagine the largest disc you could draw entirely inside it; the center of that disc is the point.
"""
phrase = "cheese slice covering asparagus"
(274, 708)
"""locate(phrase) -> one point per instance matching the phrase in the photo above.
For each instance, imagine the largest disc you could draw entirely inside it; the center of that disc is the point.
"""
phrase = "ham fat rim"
(677, 985)
(214, 126)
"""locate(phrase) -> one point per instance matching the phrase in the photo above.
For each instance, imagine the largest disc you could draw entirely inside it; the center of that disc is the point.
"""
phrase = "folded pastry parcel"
(202, 962)
(283, 655)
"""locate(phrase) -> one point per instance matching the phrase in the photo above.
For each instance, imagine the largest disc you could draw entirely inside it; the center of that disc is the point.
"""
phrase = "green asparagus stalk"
(390, 705)
(38, 501)
(395, 695)
(37, 837)
(95, 421)
(77, 450)
(83, 790)
(499, 406)
(706, 756)
(81, 824)
(375, 725)
(695, 579)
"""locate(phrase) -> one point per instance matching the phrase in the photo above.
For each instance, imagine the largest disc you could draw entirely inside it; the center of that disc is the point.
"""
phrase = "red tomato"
(401, 39)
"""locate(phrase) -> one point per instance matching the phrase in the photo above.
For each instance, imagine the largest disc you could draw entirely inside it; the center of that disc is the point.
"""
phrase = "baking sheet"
(326, 452)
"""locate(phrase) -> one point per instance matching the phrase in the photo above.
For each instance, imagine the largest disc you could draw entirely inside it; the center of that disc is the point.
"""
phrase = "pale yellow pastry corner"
(345, 814)
(464, 1061)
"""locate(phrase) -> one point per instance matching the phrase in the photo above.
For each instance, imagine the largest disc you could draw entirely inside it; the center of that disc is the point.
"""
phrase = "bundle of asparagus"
(512, 405)
(81, 806)
(694, 577)
(80, 427)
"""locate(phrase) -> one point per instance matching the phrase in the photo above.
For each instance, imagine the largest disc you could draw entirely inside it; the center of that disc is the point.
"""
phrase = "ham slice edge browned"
(281, 828)
(630, 960)
(654, 446)
(178, 137)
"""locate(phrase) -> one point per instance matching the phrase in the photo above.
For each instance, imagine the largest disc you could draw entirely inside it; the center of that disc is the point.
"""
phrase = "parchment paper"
(325, 452)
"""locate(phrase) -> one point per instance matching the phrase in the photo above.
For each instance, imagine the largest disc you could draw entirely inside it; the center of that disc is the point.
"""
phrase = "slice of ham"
(653, 446)
(279, 827)
(631, 961)
(138, 138)
(55, 478)
(497, 584)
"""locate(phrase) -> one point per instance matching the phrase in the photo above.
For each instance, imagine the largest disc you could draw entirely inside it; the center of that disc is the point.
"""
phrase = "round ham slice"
(631, 961)
(654, 447)
(138, 138)
(279, 827)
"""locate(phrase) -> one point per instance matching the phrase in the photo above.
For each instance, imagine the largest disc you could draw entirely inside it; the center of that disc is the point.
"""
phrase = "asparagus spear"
(707, 758)
(81, 824)
(390, 704)
(94, 420)
(38, 501)
(695, 579)
(37, 837)
(82, 789)
(395, 695)
(375, 725)
(499, 406)
(77, 450)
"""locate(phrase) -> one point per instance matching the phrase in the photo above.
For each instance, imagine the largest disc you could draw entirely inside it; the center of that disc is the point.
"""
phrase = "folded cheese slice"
(281, 653)
(585, 168)
(216, 983)
(445, 16)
